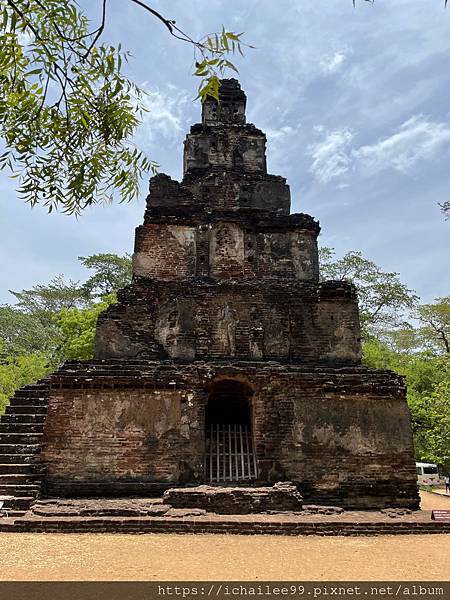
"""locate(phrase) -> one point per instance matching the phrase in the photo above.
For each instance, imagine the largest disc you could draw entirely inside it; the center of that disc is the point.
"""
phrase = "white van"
(427, 474)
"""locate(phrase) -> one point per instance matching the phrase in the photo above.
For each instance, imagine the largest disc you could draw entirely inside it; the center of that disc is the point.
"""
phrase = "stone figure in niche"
(256, 334)
(238, 158)
(227, 329)
(224, 239)
(168, 328)
(276, 335)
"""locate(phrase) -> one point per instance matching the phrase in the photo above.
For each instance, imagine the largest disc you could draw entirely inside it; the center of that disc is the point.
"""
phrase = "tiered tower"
(222, 271)
(227, 360)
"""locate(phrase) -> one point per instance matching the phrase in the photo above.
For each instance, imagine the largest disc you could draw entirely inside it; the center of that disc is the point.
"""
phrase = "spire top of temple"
(230, 110)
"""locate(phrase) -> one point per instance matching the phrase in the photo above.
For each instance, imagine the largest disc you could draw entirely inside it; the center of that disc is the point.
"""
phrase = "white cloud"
(167, 116)
(416, 139)
(331, 157)
(281, 133)
(281, 143)
(333, 63)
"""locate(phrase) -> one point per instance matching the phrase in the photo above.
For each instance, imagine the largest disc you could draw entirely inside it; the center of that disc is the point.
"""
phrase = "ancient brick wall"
(287, 321)
(342, 435)
(344, 439)
(224, 249)
(238, 190)
(218, 191)
(121, 440)
(243, 147)
(164, 251)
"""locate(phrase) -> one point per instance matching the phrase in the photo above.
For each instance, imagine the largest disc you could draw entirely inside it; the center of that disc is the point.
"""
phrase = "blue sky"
(355, 106)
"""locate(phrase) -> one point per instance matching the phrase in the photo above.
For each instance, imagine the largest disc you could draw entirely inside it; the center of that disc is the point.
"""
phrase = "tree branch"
(98, 32)
(167, 22)
(170, 24)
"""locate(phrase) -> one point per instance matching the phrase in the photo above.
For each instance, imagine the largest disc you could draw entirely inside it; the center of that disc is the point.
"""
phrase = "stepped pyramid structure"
(226, 361)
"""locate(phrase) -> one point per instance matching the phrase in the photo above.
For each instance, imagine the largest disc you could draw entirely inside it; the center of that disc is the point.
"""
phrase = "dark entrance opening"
(228, 404)
(230, 455)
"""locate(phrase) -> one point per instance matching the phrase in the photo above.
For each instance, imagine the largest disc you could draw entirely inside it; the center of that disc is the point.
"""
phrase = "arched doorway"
(230, 455)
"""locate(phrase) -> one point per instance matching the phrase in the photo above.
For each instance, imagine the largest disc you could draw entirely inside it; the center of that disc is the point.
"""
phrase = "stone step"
(19, 489)
(18, 449)
(32, 409)
(15, 468)
(17, 458)
(25, 418)
(38, 387)
(12, 514)
(191, 525)
(21, 503)
(36, 390)
(36, 400)
(20, 427)
(19, 478)
(103, 507)
(20, 438)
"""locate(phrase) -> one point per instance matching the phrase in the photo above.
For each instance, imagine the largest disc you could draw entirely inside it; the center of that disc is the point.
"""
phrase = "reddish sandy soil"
(55, 557)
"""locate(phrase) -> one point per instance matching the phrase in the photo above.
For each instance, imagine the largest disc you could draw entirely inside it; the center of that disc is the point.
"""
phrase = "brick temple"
(226, 361)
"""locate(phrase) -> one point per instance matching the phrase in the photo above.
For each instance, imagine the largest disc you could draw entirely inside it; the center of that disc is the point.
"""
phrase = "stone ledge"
(263, 221)
(234, 525)
(172, 374)
(282, 496)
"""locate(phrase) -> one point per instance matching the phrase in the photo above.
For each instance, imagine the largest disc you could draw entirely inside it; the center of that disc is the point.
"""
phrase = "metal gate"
(230, 454)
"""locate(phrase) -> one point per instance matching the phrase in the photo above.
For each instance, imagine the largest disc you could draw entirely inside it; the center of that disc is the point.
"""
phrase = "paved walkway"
(441, 492)
(430, 501)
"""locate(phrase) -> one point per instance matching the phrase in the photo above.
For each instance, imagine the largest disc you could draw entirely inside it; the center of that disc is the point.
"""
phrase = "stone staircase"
(21, 430)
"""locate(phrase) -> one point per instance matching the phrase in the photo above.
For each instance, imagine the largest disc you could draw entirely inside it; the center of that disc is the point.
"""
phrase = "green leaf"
(34, 72)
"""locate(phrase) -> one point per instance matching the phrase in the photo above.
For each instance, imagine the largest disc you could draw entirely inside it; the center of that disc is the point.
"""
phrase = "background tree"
(17, 371)
(28, 326)
(427, 379)
(436, 436)
(47, 299)
(23, 333)
(435, 319)
(111, 272)
(384, 301)
(77, 328)
(56, 322)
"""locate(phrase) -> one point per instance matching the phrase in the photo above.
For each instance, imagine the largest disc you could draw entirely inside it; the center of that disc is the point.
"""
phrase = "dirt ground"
(63, 557)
